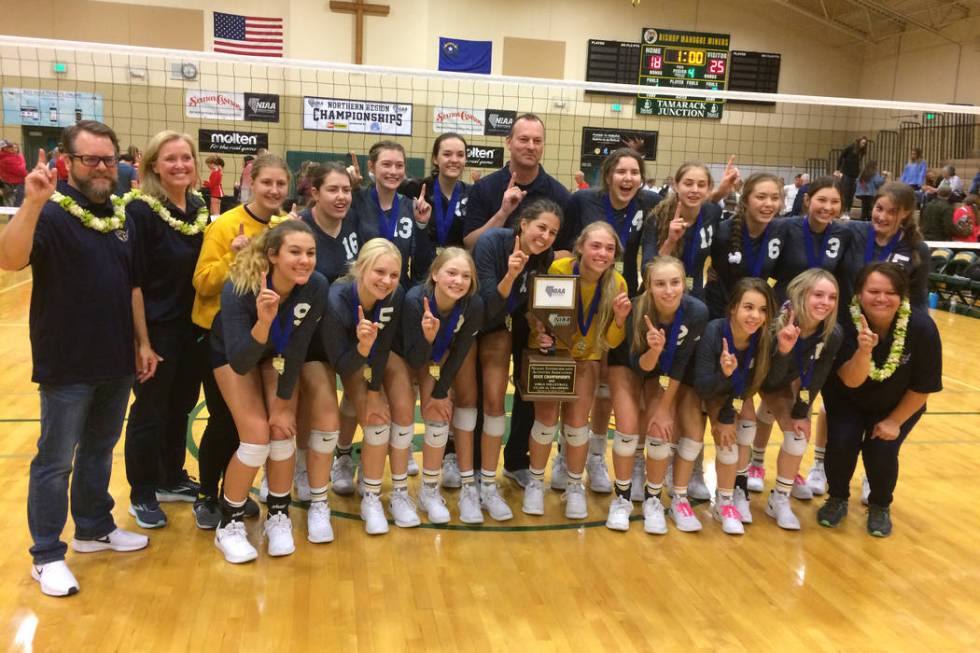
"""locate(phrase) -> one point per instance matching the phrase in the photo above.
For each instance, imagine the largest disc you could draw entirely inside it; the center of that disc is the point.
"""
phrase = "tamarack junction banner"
(231, 142)
(331, 114)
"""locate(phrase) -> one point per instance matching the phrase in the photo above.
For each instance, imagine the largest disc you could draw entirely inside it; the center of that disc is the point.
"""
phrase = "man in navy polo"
(497, 201)
(81, 326)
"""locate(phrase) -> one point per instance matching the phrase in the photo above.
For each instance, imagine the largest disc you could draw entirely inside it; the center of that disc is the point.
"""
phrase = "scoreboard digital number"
(690, 60)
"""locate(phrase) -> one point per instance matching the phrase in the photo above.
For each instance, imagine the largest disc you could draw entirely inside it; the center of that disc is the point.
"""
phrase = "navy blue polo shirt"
(487, 195)
(81, 319)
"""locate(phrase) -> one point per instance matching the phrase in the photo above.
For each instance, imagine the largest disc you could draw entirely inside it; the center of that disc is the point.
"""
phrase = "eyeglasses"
(93, 161)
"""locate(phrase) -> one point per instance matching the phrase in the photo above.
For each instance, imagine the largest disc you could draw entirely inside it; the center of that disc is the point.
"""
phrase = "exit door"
(38, 137)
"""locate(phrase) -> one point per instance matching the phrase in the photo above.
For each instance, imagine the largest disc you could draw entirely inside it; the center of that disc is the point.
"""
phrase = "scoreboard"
(612, 62)
(688, 60)
(756, 72)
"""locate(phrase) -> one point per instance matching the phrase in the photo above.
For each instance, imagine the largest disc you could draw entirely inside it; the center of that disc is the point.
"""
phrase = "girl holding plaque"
(382, 212)
(441, 320)
(505, 258)
(601, 310)
(657, 360)
(270, 307)
(445, 190)
(363, 315)
(732, 362)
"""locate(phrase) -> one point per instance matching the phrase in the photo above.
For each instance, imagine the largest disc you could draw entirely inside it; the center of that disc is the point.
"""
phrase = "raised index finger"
(517, 244)
(360, 313)
(425, 304)
(731, 161)
(354, 162)
(724, 345)
(864, 322)
(42, 157)
(513, 180)
(241, 228)
(646, 318)
(422, 192)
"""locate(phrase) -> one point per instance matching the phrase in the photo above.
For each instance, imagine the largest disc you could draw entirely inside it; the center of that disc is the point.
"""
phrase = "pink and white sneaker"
(683, 516)
(729, 516)
(757, 478)
(801, 490)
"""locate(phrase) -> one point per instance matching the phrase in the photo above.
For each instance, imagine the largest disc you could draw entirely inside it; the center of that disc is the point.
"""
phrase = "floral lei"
(898, 343)
(103, 225)
(203, 215)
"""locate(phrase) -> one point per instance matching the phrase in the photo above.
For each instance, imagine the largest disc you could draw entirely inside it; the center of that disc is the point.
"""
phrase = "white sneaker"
(757, 478)
(373, 515)
(279, 531)
(816, 480)
(232, 541)
(413, 467)
(728, 515)
(654, 521)
(264, 488)
(318, 527)
(779, 509)
(451, 478)
(117, 540)
(683, 515)
(533, 498)
(865, 490)
(359, 479)
(559, 473)
(469, 505)
(575, 504)
(800, 489)
(342, 475)
(493, 503)
(598, 472)
(638, 479)
(403, 509)
(696, 487)
(434, 505)
(302, 482)
(618, 518)
(742, 503)
(55, 578)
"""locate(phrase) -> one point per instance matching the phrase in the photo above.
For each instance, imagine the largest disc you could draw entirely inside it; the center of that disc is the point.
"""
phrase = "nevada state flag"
(461, 56)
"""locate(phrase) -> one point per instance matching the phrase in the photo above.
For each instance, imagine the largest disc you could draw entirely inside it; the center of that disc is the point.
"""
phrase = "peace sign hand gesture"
(728, 361)
(867, 339)
(788, 335)
(430, 323)
(421, 208)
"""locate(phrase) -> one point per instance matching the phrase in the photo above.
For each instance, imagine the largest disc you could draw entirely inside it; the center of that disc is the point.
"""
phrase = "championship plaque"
(550, 376)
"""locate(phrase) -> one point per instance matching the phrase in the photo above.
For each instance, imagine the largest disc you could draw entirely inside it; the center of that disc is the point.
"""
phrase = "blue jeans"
(80, 425)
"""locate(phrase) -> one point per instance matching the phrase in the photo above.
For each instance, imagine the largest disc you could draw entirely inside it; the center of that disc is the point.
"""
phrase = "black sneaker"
(207, 513)
(832, 512)
(148, 515)
(185, 489)
(879, 521)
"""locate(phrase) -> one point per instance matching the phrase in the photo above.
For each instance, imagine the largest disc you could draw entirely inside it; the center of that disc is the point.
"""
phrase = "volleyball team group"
(417, 291)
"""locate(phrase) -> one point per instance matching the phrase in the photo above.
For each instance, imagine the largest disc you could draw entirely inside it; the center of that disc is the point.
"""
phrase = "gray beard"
(93, 194)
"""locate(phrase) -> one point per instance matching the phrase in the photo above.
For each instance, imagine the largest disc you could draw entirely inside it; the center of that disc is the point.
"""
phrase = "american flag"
(253, 35)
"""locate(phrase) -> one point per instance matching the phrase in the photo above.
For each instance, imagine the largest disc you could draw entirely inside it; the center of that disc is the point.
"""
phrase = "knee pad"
(657, 449)
(347, 407)
(576, 436)
(543, 434)
(793, 444)
(689, 449)
(464, 419)
(400, 437)
(436, 434)
(624, 445)
(324, 441)
(765, 415)
(377, 434)
(494, 425)
(252, 455)
(745, 433)
(602, 391)
(726, 455)
(281, 449)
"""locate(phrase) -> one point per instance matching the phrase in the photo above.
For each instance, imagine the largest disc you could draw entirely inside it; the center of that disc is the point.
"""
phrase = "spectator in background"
(954, 182)
(580, 183)
(975, 185)
(127, 174)
(245, 181)
(936, 219)
(213, 184)
(801, 192)
(966, 220)
(304, 184)
(914, 173)
(789, 194)
(849, 169)
(135, 155)
(13, 170)
(666, 187)
(56, 160)
(867, 187)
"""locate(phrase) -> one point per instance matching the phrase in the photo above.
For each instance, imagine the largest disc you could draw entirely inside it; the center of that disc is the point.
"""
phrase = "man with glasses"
(82, 345)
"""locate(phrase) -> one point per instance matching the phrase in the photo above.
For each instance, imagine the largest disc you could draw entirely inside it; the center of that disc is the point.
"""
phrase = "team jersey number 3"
(833, 247)
(404, 228)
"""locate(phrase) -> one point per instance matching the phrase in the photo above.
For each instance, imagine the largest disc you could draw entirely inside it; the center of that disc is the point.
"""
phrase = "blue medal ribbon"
(444, 221)
(807, 366)
(624, 229)
(753, 264)
(667, 355)
(356, 301)
(813, 260)
(584, 324)
(447, 329)
(692, 247)
(386, 227)
(886, 251)
(515, 292)
(282, 325)
(740, 376)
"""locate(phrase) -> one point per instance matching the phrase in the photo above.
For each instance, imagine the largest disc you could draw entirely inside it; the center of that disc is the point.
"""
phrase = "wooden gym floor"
(533, 584)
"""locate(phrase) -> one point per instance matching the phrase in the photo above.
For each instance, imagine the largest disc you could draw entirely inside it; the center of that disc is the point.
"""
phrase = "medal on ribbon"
(624, 229)
(447, 328)
(585, 323)
(666, 361)
(740, 377)
(280, 331)
(813, 259)
(871, 244)
(444, 220)
(805, 365)
(356, 302)
(691, 250)
(753, 264)
(386, 227)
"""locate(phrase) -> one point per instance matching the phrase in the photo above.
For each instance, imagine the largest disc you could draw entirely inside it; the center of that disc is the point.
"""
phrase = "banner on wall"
(479, 156)
(231, 142)
(499, 122)
(262, 107)
(336, 115)
(35, 107)
(461, 121)
(598, 142)
(214, 105)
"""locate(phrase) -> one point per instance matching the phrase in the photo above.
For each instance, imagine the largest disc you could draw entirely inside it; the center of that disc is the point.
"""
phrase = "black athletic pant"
(220, 439)
(516, 455)
(867, 203)
(849, 434)
(848, 187)
(156, 434)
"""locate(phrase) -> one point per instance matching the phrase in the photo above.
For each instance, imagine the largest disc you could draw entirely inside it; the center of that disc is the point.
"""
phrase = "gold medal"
(279, 364)
(689, 282)
(805, 396)
(581, 347)
(737, 404)
(664, 381)
(509, 322)
(367, 373)
(434, 370)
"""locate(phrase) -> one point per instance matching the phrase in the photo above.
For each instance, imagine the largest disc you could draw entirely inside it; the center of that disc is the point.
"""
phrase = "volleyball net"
(317, 111)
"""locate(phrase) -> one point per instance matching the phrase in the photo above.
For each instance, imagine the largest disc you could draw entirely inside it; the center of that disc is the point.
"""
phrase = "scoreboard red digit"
(690, 60)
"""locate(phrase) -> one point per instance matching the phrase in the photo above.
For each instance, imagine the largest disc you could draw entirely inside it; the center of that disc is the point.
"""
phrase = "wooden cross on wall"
(359, 8)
